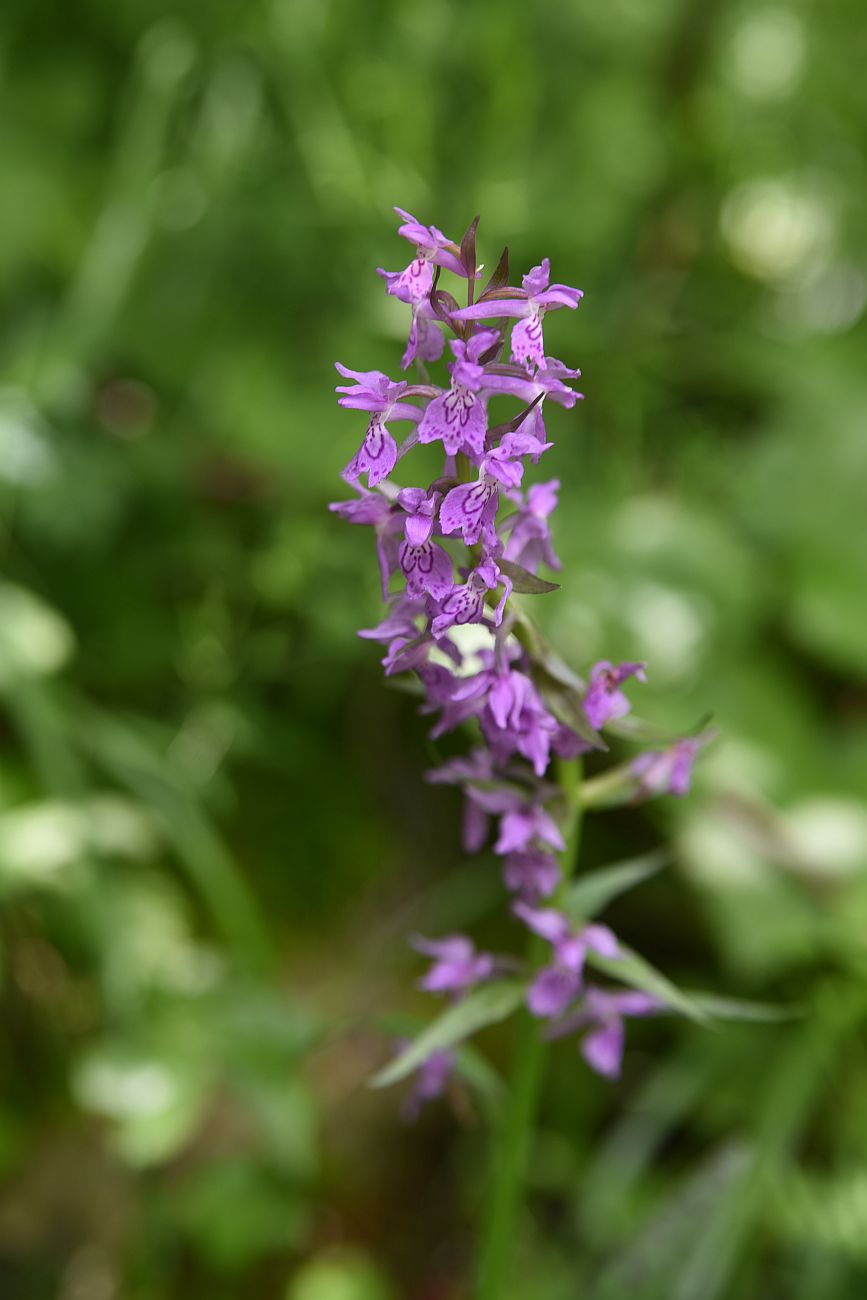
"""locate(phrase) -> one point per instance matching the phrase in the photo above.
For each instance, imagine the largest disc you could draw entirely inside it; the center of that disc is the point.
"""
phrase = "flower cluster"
(451, 553)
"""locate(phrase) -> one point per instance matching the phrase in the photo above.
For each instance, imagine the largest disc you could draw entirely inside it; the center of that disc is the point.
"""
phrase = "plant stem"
(515, 1131)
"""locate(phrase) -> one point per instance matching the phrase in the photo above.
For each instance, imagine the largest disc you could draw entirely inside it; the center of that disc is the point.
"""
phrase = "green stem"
(514, 1136)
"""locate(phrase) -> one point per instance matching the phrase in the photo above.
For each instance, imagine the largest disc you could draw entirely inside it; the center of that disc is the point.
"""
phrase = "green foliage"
(214, 833)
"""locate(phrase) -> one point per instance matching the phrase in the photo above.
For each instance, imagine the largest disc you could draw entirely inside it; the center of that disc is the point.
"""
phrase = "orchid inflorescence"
(533, 714)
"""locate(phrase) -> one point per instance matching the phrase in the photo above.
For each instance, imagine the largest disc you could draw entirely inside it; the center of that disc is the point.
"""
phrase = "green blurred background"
(214, 831)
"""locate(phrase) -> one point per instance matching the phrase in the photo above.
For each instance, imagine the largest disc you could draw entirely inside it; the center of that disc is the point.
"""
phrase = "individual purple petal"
(457, 418)
(431, 1080)
(600, 939)
(552, 990)
(475, 766)
(426, 568)
(528, 347)
(367, 508)
(519, 827)
(477, 345)
(559, 295)
(683, 757)
(456, 967)
(529, 542)
(602, 1048)
(431, 243)
(533, 875)
(491, 309)
(425, 342)
(474, 830)
(462, 605)
(413, 284)
(668, 771)
(604, 701)
(370, 391)
(470, 509)
(537, 279)
(547, 922)
(376, 456)
(568, 744)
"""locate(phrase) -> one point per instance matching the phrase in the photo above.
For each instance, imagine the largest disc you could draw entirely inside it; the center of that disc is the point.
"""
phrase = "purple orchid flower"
(477, 765)
(547, 382)
(668, 771)
(431, 1080)
(556, 985)
(432, 249)
(457, 967)
(603, 1014)
(522, 827)
(529, 541)
(372, 508)
(604, 700)
(426, 341)
(424, 564)
(375, 392)
(466, 603)
(532, 875)
(458, 417)
(511, 713)
(524, 823)
(529, 303)
(408, 646)
(471, 508)
(498, 674)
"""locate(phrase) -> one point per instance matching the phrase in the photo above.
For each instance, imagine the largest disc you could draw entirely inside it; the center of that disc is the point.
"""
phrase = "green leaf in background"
(484, 1006)
(525, 582)
(629, 968)
(340, 1275)
(760, 1013)
(591, 894)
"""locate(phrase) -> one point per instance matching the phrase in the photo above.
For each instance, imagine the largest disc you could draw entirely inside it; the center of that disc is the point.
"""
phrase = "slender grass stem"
(513, 1138)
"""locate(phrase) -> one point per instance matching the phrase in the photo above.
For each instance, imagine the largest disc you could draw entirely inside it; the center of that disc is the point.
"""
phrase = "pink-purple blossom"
(557, 985)
(604, 701)
(536, 297)
(450, 553)
(456, 966)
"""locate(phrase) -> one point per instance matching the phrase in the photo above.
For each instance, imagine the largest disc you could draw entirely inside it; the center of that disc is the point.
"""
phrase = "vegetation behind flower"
(215, 833)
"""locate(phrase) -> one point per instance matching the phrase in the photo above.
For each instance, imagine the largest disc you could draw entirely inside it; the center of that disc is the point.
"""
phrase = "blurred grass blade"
(760, 1013)
(633, 970)
(132, 762)
(591, 894)
(487, 1005)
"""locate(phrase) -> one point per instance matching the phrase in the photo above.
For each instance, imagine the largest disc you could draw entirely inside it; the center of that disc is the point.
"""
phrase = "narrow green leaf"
(633, 970)
(589, 895)
(485, 1006)
(764, 1013)
(524, 581)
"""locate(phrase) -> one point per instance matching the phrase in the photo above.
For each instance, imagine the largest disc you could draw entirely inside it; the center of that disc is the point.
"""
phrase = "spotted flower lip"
(458, 418)
(465, 603)
(374, 392)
